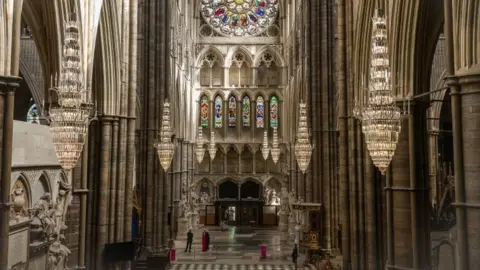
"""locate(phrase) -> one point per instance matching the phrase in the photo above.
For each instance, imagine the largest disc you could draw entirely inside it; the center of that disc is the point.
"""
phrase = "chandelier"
(165, 147)
(381, 118)
(70, 115)
(275, 151)
(303, 148)
(265, 149)
(212, 148)
(199, 150)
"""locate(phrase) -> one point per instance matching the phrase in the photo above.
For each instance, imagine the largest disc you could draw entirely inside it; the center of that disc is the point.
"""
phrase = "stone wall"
(35, 168)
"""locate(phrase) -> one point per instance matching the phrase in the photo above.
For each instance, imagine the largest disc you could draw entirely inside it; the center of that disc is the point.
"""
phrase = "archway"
(250, 190)
(228, 190)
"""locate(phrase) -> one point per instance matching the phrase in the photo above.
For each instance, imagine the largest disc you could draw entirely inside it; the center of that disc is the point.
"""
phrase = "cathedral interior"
(349, 129)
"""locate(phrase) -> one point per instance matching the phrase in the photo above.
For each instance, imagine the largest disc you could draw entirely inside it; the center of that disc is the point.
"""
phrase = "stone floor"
(217, 266)
(238, 245)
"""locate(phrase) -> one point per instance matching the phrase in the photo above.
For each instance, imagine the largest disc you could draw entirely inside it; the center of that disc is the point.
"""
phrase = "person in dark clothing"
(295, 255)
(207, 239)
(189, 241)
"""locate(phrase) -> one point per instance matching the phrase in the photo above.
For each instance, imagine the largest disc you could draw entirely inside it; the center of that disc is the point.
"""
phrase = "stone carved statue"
(18, 197)
(267, 196)
(285, 207)
(292, 198)
(189, 205)
(51, 218)
(204, 199)
(43, 213)
(58, 253)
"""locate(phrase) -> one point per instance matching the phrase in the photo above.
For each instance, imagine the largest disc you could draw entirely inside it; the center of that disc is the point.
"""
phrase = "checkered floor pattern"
(234, 267)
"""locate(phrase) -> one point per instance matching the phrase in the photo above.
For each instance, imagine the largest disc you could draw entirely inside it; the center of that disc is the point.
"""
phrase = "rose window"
(239, 17)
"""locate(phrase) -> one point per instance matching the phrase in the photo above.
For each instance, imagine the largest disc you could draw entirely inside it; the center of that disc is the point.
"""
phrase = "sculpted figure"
(57, 255)
(266, 196)
(275, 200)
(18, 198)
(284, 201)
(43, 211)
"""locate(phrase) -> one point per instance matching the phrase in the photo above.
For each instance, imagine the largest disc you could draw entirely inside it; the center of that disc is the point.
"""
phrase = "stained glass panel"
(33, 115)
(232, 112)
(204, 112)
(239, 17)
(246, 111)
(274, 112)
(218, 112)
(260, 111)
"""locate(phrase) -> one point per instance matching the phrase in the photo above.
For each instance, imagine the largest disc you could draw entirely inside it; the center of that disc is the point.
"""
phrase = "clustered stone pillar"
(153, 87)
(409, 197)
(8, 85)
(465, 91)
(463, 69)
(9, 82)
(343, 132)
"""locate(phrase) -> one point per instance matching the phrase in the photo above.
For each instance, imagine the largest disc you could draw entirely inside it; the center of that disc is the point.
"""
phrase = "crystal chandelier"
(212, 148)
(70, 116)
(381, 118)
(275, 151)
(199, 150)
(303, 148)
(165, 147)
(265, 148)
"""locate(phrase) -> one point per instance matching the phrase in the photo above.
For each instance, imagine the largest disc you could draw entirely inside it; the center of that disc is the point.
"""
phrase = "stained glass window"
(239, 17)
(274, 112)
(260, 111)
(204, 111)
(218, 112)
(246, 111)
(232, 112)
(33, 115)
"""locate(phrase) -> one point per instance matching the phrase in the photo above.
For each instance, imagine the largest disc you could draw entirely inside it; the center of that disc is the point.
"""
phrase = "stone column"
(239, 119)
(343, 136)
(113, 181)
(83, 191)
(462, 61)
(8, 85)
(410, 197)
(225, 120)
(253, 117)
(104, 185)
(433, 163)
(466, 128)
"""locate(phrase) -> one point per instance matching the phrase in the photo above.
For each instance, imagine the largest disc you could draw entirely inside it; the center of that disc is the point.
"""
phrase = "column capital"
(105, 118)
(470, 76)
(9, 83)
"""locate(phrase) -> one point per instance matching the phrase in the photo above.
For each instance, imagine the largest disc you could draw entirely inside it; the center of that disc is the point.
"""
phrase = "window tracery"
(211, 71)
(218, 112)
(33, 115)
(232, 111)
(274, 112)
(204, 111)
(260, 112)
(267, 71)
(240, 73)
(246, 111)
(239, 17)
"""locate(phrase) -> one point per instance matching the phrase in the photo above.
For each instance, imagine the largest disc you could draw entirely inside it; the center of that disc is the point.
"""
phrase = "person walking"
(189, 241)
(295, 255)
